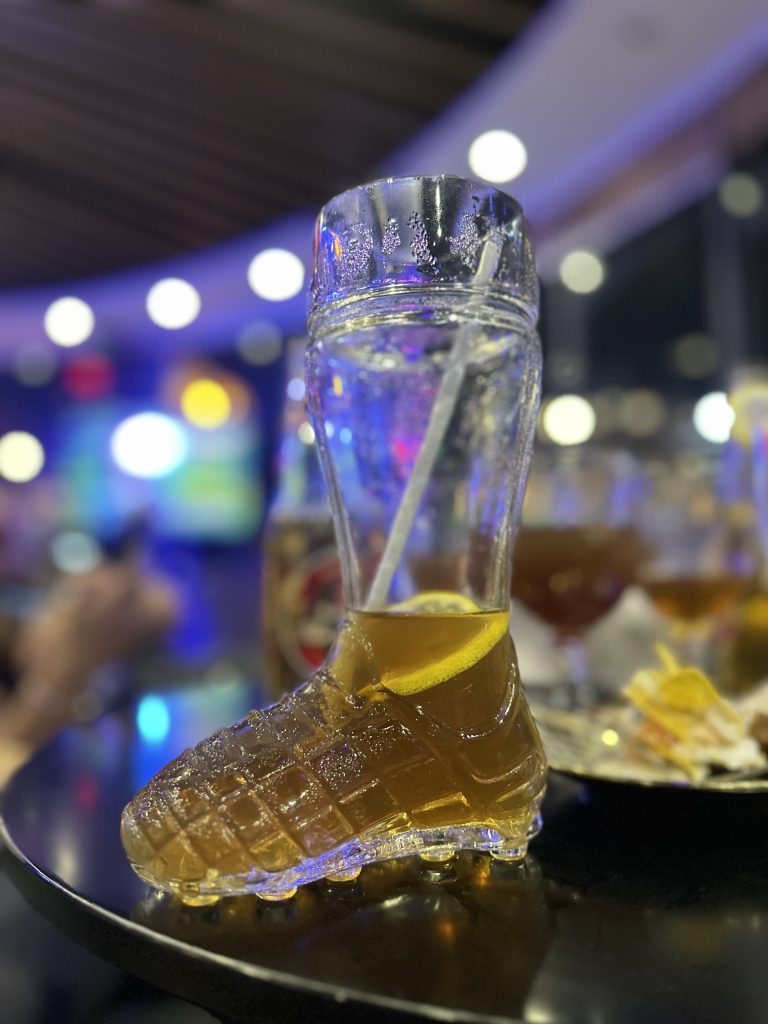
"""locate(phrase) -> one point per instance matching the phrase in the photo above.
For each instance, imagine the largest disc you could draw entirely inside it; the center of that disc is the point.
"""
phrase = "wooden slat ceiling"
(133, 131)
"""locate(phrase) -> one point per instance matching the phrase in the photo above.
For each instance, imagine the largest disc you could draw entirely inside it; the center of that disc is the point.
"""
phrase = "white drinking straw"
(439, 418)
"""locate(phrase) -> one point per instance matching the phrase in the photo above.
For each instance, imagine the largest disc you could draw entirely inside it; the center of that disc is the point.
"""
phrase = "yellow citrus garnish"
(441, 602)
(685, 718)
(429, 639)
(672, 694)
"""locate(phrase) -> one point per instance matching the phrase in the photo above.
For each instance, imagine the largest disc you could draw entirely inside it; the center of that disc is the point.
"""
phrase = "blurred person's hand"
(109, 613)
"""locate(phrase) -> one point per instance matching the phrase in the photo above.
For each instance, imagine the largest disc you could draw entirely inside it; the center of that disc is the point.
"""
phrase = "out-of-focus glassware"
(577, 550)
(414, 736)
(745, 662)
(749, 399)
(700, 547)
(301, 575)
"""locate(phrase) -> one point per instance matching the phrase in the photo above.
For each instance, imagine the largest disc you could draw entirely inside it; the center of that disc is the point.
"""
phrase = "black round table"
(633, 906)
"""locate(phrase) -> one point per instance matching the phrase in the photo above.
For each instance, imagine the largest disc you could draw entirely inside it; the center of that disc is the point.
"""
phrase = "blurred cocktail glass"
(578, 548)
(700, 550)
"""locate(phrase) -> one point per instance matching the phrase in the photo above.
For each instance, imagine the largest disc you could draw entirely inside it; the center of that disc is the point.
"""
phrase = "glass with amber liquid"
(414, 736)
(571, 576)
(691, 599)
(701, 553)
(577, 550)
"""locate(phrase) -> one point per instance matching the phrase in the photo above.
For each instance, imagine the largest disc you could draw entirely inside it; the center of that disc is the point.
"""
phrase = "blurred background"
(161, 168)
(161, 165)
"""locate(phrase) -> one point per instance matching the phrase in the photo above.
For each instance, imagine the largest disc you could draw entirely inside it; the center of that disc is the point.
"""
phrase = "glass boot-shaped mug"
(423, 375)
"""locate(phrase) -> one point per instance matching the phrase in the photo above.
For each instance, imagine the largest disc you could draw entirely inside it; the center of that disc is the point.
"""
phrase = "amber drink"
(571, 576)
(577, 552)
(702, 555)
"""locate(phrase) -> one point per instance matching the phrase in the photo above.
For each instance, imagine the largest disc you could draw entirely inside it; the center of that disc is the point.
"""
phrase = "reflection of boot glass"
(472, 936)
(346, 770)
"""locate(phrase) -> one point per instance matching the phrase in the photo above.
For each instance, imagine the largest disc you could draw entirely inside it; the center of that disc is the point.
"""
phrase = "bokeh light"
(694, 355)
(296, 389)
(22, 456)
(497, 156)
(276, 275)
(206, 403)
(740, 194)
(153, 718)
(749, 401)
(713, 417)
(641, 412)
(568, 419)
(173, 303)
(74, 552)
(610, 737)
(148, 445)
(206, 394)
(306, 433)
(260, 343)
(91, 376)
(69, 321)
(35, 366)
(582, 271)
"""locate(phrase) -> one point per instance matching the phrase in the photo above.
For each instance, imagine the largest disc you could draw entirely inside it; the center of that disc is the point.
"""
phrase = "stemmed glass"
(700, 550)
(578, 548)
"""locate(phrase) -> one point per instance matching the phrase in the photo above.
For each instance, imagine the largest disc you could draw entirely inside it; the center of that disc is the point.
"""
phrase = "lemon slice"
(432, 638)
(436, 602)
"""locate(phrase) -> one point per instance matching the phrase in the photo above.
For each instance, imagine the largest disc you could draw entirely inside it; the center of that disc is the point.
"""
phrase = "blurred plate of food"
(672, 729)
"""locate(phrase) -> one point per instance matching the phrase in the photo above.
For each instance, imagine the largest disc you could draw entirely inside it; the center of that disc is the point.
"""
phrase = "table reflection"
(404, 929)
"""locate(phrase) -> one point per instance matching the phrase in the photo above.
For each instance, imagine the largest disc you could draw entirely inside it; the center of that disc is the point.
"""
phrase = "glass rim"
(396, 179)
(415, 233)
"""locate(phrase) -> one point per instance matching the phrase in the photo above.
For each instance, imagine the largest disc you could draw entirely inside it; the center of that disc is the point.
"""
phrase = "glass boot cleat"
(378, 755)
(415, 736)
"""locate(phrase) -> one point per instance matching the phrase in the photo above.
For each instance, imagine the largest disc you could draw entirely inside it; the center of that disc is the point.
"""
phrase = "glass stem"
(581, 691)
